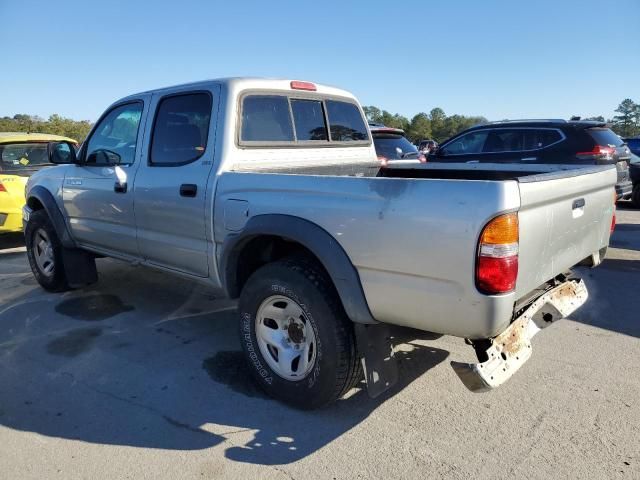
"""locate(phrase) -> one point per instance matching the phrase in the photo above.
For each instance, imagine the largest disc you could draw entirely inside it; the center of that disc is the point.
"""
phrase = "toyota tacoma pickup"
(270, 191)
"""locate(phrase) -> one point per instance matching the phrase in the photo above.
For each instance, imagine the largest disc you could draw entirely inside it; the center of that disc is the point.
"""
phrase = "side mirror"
(103, 157)
(62, 153)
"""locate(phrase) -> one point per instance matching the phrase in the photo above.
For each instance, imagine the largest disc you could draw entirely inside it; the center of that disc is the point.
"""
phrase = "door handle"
(579, 203)
(188, 190)
(119, 187)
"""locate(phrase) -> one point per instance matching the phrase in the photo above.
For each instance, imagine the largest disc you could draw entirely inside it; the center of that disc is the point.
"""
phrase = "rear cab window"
(280, 119)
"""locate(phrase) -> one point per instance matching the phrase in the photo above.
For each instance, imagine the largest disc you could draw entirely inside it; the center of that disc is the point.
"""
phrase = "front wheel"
(296, 337)
(44, 252)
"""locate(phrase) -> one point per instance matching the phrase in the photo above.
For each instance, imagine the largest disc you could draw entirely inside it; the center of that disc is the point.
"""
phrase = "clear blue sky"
(500, 59)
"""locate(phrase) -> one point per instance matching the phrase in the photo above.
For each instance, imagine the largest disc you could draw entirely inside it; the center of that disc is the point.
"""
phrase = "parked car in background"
(21, 155)
(392, 146)
(634, 169)
(427, 146)
(633, 144)
(541, 141)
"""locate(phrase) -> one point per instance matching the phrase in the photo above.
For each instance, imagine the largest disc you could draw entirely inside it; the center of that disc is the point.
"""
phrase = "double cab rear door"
(139, 190)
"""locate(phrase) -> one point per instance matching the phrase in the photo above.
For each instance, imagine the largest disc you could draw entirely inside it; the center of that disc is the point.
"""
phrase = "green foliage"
(435, 125)
(627, 124)
(55, 125)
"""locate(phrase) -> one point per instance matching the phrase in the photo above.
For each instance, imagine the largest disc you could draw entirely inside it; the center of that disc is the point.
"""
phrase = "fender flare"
(45, 197)
(314, 238)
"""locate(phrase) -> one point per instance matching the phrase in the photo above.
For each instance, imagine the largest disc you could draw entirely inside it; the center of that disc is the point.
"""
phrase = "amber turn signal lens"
(501, 230)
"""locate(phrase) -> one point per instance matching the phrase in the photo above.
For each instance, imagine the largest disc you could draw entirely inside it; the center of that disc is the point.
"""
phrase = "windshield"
(394, 147)
(23, 156)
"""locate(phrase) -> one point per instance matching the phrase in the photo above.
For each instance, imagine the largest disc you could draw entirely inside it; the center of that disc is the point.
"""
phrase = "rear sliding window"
(283, 120)
(604, 137)
(308, 115)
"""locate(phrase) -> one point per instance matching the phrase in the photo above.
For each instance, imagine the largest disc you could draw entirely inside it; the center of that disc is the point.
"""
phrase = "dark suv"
(541, 141)
(634, 168)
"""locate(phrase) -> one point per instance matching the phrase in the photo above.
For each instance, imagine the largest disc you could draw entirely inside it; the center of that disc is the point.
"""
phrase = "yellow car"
(21, 154)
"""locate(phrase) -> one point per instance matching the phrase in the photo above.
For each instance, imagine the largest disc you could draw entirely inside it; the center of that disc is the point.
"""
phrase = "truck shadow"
(146, 360)
(613, 304)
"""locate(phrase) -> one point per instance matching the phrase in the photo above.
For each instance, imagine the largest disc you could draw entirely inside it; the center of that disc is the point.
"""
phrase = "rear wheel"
(44, 252)
(296, 337)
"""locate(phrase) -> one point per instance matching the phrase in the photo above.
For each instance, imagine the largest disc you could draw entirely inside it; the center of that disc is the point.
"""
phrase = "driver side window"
(114, 140)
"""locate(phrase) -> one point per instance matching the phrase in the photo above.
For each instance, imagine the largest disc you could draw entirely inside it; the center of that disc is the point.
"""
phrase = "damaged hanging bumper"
(512, 348)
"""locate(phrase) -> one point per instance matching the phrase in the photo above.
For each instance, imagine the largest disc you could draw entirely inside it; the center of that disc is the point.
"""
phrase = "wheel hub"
(285, 337)
(295, 332)
(43, 252)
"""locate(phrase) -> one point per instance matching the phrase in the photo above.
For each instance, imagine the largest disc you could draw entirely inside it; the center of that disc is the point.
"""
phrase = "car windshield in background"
(605, 136)
(22, 156)
(395, 147)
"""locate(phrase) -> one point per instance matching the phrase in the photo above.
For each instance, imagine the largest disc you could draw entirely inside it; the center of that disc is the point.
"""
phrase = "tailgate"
(563, 220)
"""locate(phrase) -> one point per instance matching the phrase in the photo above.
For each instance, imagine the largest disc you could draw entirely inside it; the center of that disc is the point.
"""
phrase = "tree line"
(55, 125)
(434, 125)
(438, 126)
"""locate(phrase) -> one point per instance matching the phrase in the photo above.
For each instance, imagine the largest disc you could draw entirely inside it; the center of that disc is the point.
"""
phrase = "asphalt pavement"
(141, 376)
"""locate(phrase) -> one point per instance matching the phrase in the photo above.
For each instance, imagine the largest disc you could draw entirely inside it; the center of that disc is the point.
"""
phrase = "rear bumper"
(10, 221)
(512, 348)
(624, 189)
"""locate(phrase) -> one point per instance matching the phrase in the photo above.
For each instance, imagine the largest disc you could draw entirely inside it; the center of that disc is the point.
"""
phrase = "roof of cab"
(237, 84)
(13, 137)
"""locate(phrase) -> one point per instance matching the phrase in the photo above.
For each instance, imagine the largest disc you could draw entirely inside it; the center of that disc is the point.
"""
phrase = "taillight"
(2, 188)
(613, 218)
(613, 222)
(599, 152)
(497, 264)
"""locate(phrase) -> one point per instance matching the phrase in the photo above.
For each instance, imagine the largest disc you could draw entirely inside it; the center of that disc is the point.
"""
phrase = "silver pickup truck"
(270, 191)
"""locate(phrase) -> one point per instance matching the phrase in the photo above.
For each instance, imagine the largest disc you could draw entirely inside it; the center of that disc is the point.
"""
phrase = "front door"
(98, 191)
(171, 188)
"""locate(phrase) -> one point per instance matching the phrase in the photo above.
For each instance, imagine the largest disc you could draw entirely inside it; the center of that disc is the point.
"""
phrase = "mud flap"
(512, 348)
(80, 267)
(378, 361)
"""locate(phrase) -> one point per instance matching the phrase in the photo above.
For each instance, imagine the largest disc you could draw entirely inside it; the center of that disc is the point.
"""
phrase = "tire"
(333, 369)
(48, 269)
(635, 196)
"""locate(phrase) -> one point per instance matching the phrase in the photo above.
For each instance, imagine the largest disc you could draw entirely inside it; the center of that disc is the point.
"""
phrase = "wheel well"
(259, 251)
(34, 204)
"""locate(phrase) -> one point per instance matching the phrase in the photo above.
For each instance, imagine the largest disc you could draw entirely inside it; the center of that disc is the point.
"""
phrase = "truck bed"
(412, 232)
